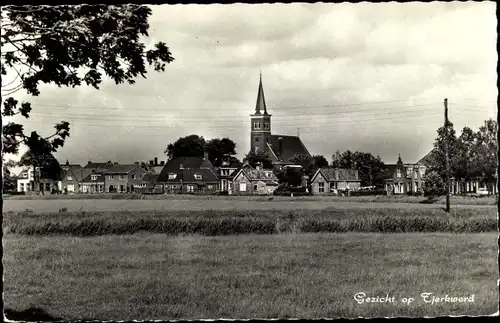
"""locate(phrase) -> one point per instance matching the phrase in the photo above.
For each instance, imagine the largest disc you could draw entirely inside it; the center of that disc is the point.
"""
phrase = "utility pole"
(447, 156)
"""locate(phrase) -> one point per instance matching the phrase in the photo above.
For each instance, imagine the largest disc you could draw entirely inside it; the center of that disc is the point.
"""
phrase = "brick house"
(147, 183)
(188, 175)
(122, 178)
(280, 148)
(72, 174)
(329, 180)
(92, 183)
(226, 175)
(254, 181)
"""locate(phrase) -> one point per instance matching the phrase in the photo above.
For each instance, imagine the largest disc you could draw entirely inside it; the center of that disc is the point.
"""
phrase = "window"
(122, 177)
(266, 125)
(321, 187)
(94, 177)
(122, 189)
(22, 187)
(70, 178)
(190, 188)
(398, 173)
(47, 186)
(256, 139)
(256, 125)
(110, 177)
(255, 187)
(172, 176)
(333, 186)
(197, 176)
(243, 187)
(210, 187)
(133, 176)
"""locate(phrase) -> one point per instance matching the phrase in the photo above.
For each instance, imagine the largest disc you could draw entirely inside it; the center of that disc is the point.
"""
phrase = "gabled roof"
(75, 170)
(190, 165)
(254, 174)
(290, 146)
(98, 165)
(120, 169)
(149, 177)
(337, 174)
(427, 159)
(392, 168)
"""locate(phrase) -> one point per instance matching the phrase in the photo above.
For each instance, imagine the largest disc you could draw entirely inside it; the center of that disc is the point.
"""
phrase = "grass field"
(228, 222)
(147, 276)
(462, 200)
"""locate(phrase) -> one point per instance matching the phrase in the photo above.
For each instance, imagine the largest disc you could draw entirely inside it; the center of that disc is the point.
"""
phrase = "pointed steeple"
(260, 106)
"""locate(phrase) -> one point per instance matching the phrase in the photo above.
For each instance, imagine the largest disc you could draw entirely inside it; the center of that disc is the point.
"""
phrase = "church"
(280, 148)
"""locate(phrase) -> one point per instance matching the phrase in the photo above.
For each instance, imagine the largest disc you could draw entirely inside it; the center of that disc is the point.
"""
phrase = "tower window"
(266, 125)
(256, 125)
(256, 139)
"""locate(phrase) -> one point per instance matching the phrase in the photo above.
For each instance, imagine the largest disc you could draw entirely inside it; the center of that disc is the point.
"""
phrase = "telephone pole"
(447, 157)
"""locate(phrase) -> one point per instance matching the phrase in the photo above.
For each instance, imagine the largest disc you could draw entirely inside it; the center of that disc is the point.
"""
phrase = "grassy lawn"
(148, 276)
(461, 200)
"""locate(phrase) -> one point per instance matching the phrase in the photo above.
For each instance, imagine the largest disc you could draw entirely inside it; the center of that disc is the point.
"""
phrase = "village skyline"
(344, 80)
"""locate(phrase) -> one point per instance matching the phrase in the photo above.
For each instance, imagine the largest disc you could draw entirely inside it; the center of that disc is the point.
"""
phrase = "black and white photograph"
(249, 161)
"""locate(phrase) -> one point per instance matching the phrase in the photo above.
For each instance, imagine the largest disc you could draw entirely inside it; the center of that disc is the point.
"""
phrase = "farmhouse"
(280, 148)
(188, 175)
(329, 180)
(254, 181)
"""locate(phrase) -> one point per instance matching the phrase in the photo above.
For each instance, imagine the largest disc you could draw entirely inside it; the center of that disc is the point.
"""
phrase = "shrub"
(433, 187)
(368, 192)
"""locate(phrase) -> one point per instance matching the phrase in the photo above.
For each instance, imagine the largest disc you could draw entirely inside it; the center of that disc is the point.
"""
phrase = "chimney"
(162, 163)
(156, 161)
(151, 163)
(137, 163)
(280, 146)
(67, 162)
(205, 155)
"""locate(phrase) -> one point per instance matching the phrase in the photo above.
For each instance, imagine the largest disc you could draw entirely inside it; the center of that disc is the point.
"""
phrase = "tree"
(219, 150)
(9, 184)
(433, 186)
(371, 169)
(69, 46)
(487, 151)
(189, 146)
(319, 161)
(446, 132)
(261, 157)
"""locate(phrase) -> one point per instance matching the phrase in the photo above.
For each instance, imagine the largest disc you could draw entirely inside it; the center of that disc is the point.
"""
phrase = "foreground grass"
(211, 222)
(192, 277)
(463, 200)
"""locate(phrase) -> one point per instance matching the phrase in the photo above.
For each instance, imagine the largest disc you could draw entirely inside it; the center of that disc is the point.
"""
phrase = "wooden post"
(446, 142)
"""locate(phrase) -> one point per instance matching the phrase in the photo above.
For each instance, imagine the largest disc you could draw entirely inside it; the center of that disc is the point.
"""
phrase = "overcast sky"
(368, 77)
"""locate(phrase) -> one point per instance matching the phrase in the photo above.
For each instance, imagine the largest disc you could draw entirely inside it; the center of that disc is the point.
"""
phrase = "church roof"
(290, 146)
(260, 106)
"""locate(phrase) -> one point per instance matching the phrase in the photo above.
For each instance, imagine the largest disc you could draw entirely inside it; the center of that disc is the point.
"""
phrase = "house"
(254, 181)
(226, 174)
(280, 148)
(24, 182)
(188, 175)
(72, 174)
(147, 183)
(122, 178)
(93, 183)
(331, 180)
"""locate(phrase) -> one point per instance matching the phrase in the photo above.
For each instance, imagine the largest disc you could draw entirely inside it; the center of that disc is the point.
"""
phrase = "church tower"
(260, 127)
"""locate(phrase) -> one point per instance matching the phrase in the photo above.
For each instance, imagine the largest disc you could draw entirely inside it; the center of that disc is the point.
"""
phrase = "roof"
(291, 145)
(120, 169)
(157, 169)
(190, 166)
(260, 105)
(330, 174)
(97, 165)
(149, 177)
(391, 170)
(75, 170)
(427, 159)
(88, 179)
(254, 174)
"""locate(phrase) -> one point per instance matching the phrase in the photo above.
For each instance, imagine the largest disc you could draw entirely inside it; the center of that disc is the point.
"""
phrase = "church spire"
(260, 106)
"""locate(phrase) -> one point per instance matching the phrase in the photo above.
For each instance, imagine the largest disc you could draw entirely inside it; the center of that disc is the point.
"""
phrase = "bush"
(433, 187)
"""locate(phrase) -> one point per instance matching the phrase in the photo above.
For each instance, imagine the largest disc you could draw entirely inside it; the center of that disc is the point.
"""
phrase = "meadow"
(231, 222)
(153, 276)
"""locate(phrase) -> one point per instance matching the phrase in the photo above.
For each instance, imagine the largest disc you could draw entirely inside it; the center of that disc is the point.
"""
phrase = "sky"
(368, 77)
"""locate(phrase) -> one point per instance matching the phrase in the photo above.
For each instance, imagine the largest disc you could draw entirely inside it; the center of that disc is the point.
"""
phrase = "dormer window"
(398, 173)
(197, 176)
(70, 178)
(172, 176)
(110, 177)
(94, 177)
(256, 125)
